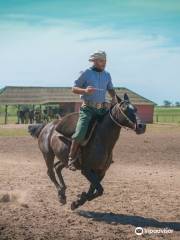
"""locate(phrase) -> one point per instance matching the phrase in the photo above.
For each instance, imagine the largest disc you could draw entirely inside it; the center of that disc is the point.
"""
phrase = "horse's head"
(126, 115)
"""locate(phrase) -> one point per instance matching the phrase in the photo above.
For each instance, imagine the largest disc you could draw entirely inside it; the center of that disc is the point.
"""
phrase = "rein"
(119, 124)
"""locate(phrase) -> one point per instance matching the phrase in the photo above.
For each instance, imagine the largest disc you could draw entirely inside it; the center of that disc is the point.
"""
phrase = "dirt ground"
(141, 190)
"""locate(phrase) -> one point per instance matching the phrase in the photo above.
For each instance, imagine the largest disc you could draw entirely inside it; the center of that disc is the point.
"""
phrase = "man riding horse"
(92, 86)
(95, 154)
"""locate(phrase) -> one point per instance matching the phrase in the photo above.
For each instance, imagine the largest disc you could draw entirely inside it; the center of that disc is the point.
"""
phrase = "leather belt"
(96, 104)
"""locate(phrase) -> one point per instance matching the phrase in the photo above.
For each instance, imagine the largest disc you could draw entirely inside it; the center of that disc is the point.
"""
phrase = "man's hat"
(97, 55)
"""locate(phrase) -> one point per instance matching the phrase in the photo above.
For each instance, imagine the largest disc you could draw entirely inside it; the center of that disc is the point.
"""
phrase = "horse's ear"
(118, 99)
(126, 97)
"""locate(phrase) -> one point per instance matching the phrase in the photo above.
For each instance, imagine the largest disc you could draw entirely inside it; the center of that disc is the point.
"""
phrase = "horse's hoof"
(62, 200)
(74, 205)
(62, 197)
(82, 195)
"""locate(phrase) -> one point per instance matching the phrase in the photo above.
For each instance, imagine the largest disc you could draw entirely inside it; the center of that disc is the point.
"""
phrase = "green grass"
(11, 119)
(167, 115)
(11, 109)
(12, 114)
(13, 132)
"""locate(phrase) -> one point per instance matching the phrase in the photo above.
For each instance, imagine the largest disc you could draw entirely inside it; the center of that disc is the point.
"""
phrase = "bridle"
(124, 115)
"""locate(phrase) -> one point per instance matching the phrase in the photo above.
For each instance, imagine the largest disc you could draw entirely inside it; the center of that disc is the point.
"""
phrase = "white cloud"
(53, 56)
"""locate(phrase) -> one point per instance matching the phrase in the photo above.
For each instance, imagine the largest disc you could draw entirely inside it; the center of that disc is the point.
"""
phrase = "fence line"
(169, 118)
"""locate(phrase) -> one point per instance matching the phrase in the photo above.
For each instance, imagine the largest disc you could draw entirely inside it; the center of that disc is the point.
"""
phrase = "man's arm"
(79, 87)
(79, 90)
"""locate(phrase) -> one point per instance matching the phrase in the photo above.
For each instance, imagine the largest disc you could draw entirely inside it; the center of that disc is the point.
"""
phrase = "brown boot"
(72, 155)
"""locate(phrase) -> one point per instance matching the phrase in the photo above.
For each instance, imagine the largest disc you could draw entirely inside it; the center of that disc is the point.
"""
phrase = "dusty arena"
(141, 190)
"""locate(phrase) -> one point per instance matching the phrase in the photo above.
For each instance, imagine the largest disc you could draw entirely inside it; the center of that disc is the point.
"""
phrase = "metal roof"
(14, 95)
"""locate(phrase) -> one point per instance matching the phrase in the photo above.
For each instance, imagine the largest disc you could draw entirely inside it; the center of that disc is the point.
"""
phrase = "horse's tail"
(35, 129)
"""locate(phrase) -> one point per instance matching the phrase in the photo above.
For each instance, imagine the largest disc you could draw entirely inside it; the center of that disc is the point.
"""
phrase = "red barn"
(68, 101)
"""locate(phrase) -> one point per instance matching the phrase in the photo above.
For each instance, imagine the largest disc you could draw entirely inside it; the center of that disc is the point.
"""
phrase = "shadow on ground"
(123, 219)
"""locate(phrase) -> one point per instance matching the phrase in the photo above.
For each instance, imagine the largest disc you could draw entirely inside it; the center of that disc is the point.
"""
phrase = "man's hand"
(90, 90)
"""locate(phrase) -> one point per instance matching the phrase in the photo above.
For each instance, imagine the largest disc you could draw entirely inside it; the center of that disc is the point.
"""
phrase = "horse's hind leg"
(49, 159)
(62, 187)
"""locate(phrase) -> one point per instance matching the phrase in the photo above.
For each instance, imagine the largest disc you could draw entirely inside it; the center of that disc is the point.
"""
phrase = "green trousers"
(85, 116)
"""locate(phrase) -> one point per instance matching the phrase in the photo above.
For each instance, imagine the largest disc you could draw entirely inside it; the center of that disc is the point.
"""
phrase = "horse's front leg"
(94, 191)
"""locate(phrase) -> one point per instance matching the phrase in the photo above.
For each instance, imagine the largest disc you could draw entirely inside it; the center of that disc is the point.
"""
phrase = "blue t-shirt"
(99, 80)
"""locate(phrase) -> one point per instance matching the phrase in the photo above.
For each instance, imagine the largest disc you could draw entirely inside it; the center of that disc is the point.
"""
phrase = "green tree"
(177, 104)
(167, 103)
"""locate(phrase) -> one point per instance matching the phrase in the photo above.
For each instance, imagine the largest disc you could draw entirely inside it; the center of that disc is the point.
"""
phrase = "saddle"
(67, 126)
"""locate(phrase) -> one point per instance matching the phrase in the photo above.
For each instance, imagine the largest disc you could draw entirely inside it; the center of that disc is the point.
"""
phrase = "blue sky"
(47, 43)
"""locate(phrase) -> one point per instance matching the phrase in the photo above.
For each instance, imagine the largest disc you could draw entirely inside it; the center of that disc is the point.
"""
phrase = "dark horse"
(95, 157)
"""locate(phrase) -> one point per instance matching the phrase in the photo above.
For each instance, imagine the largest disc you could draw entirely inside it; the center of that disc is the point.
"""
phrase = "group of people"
(27, 115)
